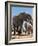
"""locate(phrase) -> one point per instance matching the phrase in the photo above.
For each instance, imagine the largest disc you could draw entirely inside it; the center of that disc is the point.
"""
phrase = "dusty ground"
(22, 36)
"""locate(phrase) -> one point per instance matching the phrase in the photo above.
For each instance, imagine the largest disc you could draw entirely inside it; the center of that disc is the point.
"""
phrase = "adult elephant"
(20, 20)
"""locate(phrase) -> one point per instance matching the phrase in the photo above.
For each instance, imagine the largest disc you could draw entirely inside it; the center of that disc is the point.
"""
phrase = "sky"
(17, 10)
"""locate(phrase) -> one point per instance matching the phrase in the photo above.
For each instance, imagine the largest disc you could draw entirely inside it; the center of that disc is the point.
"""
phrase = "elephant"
(20, 22)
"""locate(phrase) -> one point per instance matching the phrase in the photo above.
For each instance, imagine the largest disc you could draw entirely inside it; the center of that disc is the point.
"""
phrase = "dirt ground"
(21, 37)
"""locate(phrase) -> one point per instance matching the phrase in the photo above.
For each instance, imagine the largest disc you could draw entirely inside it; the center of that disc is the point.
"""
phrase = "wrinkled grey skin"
(18, 21)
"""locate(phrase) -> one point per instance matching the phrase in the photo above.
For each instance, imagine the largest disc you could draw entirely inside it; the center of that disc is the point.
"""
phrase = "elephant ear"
(29, 16)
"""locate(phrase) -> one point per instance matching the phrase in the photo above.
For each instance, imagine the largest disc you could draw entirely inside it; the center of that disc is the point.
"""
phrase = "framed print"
(20, 22)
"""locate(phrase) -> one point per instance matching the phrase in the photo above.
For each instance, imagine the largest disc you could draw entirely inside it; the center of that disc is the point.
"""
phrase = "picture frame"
(12, 8)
